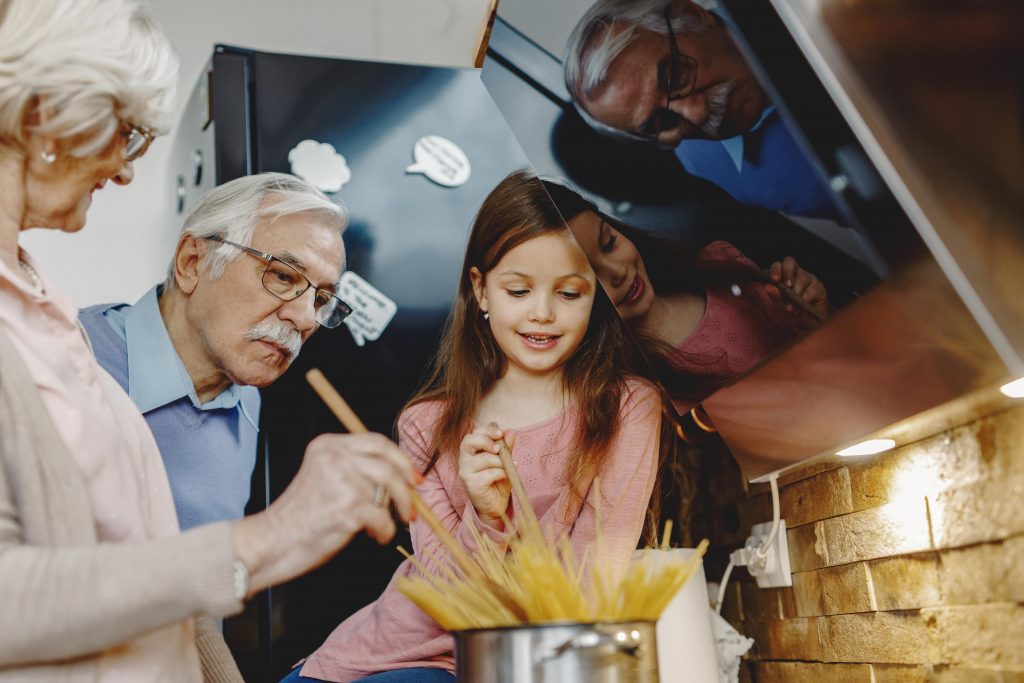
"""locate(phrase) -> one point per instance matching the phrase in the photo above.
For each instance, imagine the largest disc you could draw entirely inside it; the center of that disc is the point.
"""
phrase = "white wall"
(131, 231)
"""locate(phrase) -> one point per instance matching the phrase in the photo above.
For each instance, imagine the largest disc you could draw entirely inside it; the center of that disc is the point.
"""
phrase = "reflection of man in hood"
(668, 73)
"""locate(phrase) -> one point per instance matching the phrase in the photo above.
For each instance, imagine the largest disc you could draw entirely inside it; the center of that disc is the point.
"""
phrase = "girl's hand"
(805, 285)
(483, 476)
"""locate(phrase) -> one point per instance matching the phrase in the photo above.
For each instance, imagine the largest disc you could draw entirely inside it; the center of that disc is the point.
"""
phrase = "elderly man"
(254, 275)
(667, 72)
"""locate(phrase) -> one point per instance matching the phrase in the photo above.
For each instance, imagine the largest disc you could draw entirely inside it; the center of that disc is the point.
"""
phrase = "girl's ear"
(477, 279)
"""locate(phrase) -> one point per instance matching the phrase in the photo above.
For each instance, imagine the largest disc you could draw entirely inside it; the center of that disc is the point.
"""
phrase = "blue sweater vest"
(209, 454)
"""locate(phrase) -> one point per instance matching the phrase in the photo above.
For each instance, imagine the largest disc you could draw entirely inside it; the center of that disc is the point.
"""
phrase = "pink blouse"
(392, 633)
(114, 449)
(741, 326)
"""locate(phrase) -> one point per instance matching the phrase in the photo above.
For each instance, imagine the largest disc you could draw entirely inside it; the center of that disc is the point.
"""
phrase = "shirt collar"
(156, 374)
(734, 145)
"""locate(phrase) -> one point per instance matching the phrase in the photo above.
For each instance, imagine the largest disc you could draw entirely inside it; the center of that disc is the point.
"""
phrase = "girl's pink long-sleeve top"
(392, 633)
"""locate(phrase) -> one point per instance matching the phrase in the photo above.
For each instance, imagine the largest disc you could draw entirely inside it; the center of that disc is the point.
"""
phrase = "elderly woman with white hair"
(96, 581)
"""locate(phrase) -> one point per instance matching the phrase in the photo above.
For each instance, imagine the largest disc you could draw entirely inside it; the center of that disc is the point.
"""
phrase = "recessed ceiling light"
(1014, 389)
(869, 447)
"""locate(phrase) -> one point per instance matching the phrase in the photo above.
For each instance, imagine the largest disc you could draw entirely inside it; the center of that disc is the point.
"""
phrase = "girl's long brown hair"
(469, 362)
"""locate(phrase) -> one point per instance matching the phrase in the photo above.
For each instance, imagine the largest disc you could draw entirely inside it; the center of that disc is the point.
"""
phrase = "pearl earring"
(48, 157)
(487, 316)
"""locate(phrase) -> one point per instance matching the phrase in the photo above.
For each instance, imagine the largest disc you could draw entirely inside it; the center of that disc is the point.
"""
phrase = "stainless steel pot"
(623, 652)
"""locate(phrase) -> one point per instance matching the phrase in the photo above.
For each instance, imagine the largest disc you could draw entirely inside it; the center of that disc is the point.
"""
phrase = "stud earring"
(48, 157)
(487, 316)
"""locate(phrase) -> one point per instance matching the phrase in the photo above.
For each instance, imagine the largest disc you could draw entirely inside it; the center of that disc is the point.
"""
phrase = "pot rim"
(554, 624)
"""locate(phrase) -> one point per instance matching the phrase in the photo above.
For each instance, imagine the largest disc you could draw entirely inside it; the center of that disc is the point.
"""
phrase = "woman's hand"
(329, 501)
(803, 284)
(483, 476)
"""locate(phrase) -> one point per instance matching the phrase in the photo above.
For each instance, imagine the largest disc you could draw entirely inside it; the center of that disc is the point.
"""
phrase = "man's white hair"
(87, 64)
(232, 211)
(592, 47)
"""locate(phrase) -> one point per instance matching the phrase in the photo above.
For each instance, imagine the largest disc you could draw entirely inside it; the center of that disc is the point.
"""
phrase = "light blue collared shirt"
(208, 449)
(734, 145)
(156, 375)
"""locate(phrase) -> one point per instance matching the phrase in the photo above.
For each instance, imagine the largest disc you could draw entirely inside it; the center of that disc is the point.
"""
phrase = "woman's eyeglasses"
(138, 141)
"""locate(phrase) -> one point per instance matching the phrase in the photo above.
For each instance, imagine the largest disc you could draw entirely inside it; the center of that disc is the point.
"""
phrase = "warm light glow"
(869, 447)
(1014, 389)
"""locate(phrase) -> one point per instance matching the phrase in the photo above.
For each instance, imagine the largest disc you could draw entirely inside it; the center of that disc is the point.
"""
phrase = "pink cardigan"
(392, 633)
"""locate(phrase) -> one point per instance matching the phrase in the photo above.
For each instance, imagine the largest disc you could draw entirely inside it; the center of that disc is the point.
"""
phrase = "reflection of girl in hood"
(704, 314)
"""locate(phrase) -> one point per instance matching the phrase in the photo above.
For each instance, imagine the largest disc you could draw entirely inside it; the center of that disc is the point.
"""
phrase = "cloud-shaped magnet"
(319, 164)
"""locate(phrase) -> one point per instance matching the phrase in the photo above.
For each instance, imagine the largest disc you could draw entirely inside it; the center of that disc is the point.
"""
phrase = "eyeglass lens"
(285, 282)
(680, 75)
(136, 145)
(681, 71)
(677, 80)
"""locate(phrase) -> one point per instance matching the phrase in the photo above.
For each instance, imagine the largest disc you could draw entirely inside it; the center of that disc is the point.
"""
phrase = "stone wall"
(906, 567)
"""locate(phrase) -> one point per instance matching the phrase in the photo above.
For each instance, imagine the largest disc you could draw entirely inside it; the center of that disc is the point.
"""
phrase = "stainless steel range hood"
(933, 91)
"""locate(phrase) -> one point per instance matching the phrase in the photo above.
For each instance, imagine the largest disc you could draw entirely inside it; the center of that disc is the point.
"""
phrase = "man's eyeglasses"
(677, 77)
(286, 283)
(138, 141)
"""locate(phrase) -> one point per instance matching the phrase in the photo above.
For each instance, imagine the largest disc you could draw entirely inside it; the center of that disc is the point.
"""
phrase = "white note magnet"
(371, 310)
(441, 160)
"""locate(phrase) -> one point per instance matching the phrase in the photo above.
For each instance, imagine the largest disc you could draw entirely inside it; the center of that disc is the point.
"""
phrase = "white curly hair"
(89, 64)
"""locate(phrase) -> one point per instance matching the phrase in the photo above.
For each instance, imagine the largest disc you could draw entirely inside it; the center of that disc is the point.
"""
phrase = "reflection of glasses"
(139, 140)
(677, 77)
(286, 283)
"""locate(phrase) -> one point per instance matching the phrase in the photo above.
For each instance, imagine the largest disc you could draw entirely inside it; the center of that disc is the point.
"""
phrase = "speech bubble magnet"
(440, 160)
(371, 310)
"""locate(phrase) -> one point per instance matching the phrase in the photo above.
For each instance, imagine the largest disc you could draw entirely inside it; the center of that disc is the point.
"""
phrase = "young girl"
(704, 313)
(533, 345)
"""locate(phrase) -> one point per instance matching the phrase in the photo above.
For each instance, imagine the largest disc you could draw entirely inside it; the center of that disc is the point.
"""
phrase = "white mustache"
(279, 333)
(716, 100)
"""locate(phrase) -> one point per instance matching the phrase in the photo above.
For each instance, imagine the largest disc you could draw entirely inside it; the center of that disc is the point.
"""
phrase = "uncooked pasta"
(537, 580)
